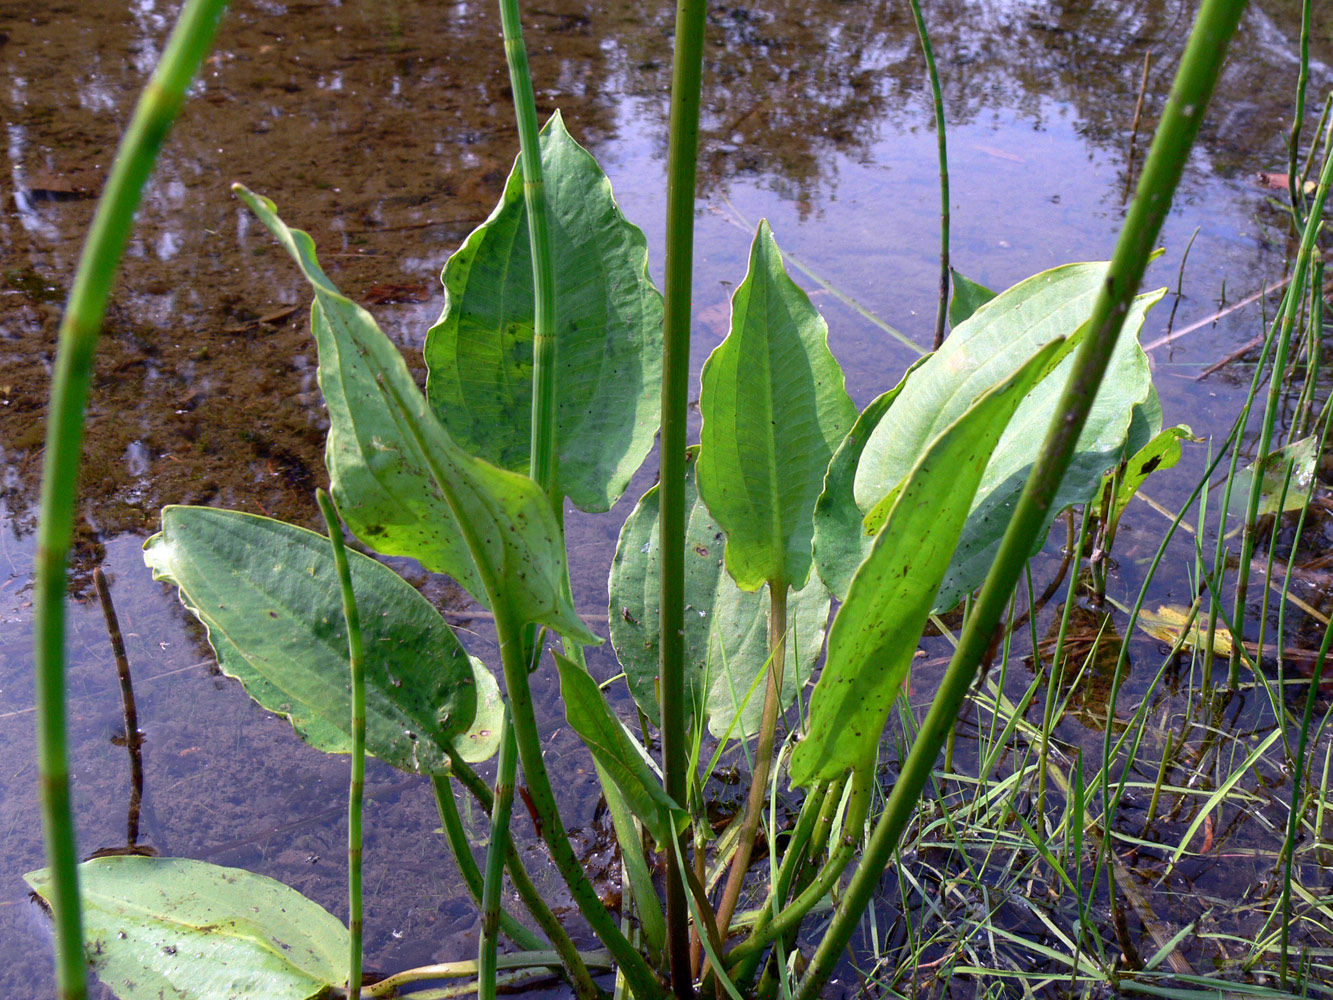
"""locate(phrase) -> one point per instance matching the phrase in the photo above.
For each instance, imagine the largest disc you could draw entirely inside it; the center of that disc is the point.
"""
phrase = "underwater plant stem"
(682, 176)
(1276, 385)
(541, 448)
(357, 786)
(942, 310)
(452, 824)
(531, 959)
(1200, 67)
(763, 757)
(80, 326)
(133, 739)
(1294, 185)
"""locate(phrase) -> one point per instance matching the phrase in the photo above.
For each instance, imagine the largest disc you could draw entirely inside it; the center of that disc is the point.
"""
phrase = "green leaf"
(608, 329)
(1162, 452)
(176, 929)
(403, 485)
(840, 540)
(619, 755)
(726, 628)
(1302, 455)
(967, 298)
(987, 348)
(267, 592)
(874, 636)
(774, 408)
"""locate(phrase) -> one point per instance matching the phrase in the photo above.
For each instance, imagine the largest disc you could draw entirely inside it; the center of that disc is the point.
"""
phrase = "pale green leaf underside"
(176, 929)
(875, 634)
(726, 628)
(267, 592)
(403, 485)
(608, 329)
(1302, 457)
(774, 408)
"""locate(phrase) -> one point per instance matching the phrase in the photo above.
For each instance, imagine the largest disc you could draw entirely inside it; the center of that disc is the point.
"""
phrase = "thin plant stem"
(537, 959)
(501, 810)
(1294, 186)
(452, 824)
(942, 309)
(1291, 307)
(682, 177)
(357, 786)
(80, 327)
(541, 447)
(763, 761)
(1199, 69)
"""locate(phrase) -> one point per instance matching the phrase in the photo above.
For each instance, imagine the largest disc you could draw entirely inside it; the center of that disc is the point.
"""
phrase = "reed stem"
(942, 309)
(682, 175)
(356, 790)
(1199, 69)
(80, 327)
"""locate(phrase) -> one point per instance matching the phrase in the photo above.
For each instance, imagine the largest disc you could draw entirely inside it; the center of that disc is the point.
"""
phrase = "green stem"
(682, 175)
(452, 823)
(541, 447)
(1199, 70)
(942, 309)
(515, 664)
(763, 760)
(1276, 385)
(1297, 119)
(357, 787)
(501, 809)
(748, 952)
(162, 98)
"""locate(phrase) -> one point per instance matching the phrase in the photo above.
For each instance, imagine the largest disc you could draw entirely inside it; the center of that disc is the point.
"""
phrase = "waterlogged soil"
(384, 129)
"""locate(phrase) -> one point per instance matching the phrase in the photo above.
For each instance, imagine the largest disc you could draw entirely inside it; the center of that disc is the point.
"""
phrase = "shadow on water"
(385, 130)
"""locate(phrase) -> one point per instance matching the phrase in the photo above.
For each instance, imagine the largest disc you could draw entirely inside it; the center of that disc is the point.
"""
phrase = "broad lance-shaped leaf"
(875, 634)
(726, 628)
(840, 542)
(267, 592)
(620, 757)
(989, 345)
(176, 929)
(608, 330)
(402, 484)
(774, 408)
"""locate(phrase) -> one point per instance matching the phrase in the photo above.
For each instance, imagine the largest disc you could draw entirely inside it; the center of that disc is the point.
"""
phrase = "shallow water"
(384, 130)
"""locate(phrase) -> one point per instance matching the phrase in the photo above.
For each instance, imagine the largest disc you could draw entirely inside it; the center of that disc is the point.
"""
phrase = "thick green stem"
(357, 786)
(763, 759)
(1199, 69)
(942, 309)
(682, 154)
(79, 329)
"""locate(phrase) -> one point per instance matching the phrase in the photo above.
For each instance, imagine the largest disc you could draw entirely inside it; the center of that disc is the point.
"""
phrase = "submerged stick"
(133, 739)
(1134, 141)
(80, 327)
(357, 786)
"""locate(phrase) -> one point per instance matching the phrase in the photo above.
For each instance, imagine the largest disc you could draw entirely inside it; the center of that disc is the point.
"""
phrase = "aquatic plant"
(548, 370)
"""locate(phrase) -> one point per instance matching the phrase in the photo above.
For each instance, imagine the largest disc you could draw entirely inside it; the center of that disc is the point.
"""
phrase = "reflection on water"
(384, 129)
